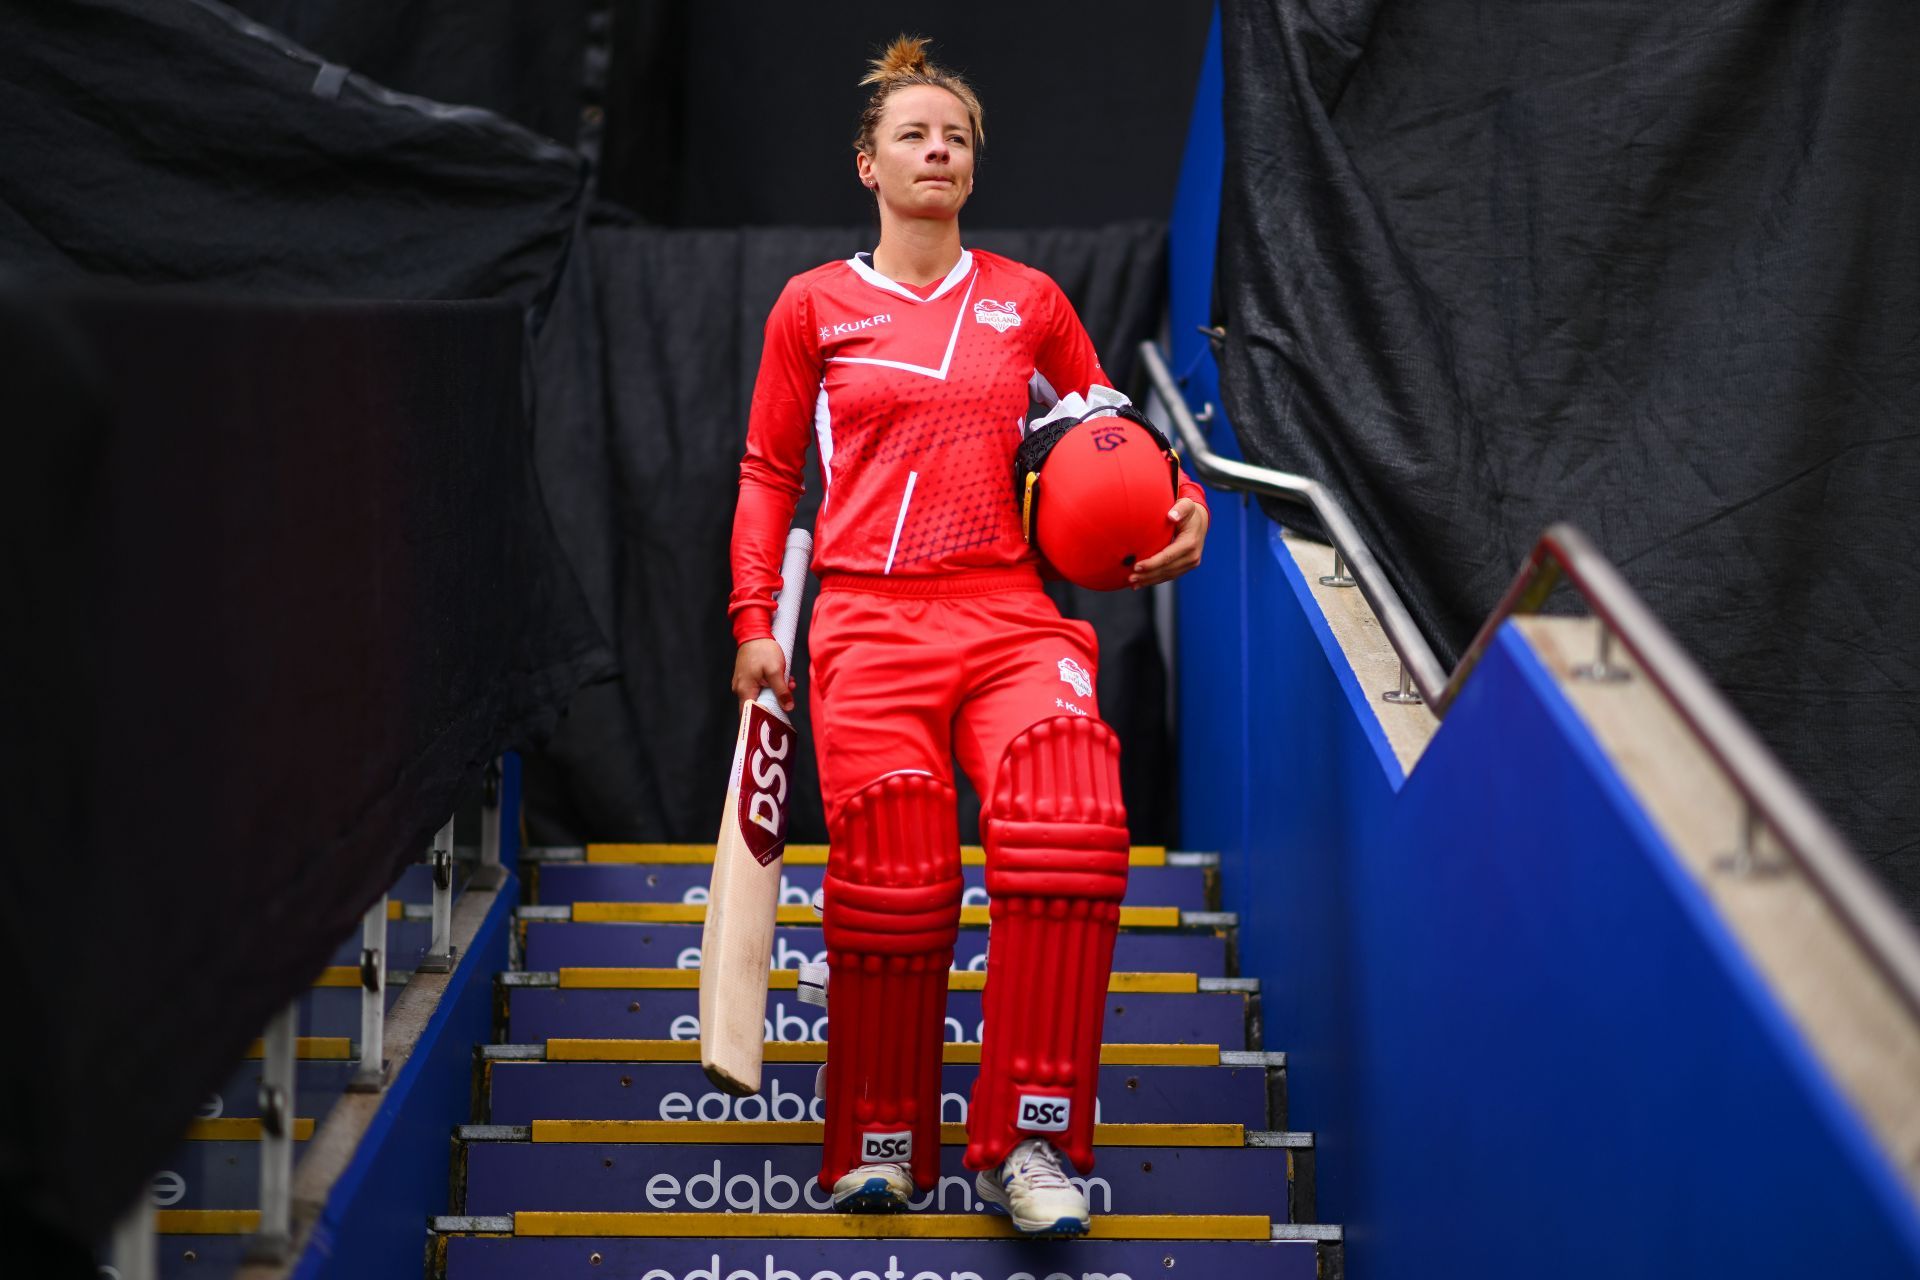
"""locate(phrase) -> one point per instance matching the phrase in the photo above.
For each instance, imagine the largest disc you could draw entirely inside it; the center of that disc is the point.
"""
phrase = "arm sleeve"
(784, 395)
(1067, 362)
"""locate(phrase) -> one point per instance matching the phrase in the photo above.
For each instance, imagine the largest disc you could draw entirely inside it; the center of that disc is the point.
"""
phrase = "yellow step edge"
(206, 1222)
(807, 855)
(810, 1133)
(696, 913)
(312, 1049)
(618, 979)
(1112, 1055)
(396, 909)
(896, 1226)
(240, 1129)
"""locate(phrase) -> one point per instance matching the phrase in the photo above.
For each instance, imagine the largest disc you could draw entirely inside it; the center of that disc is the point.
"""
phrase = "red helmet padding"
(1102, 502)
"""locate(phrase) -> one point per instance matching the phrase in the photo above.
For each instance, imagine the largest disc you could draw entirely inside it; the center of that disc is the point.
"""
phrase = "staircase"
(603, 1151)
(207, 1194)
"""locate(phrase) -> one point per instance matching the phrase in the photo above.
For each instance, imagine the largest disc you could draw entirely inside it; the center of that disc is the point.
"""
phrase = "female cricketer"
(911, 369)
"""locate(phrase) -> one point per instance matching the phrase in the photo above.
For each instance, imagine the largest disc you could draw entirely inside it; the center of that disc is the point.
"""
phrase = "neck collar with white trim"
(862, 264)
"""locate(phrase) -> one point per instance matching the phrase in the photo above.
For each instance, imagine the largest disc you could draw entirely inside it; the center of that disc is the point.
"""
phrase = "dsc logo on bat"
(767, 743)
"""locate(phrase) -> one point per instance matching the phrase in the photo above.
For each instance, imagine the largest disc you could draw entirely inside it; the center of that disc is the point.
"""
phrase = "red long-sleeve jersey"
(917, 401)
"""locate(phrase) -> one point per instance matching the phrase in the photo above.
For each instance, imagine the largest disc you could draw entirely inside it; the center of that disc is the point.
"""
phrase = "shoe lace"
(1038, 1164)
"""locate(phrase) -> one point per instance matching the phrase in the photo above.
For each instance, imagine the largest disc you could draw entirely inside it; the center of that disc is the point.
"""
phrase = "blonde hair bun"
(906, 56)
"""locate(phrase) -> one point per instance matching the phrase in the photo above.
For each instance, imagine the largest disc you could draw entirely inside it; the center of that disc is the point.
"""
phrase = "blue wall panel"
(1526, 1043)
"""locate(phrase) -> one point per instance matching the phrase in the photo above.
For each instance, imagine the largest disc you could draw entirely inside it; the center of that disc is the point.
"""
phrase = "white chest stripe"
(823, 428)
(900, 520)
(953, 340)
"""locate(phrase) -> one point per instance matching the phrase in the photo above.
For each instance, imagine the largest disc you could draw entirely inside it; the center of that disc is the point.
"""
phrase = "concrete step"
(1199, 947)
(532, 1246)
(798, 855)
(1247, 1089)
(1187, 887)
(665, 1004)
(658, 1166)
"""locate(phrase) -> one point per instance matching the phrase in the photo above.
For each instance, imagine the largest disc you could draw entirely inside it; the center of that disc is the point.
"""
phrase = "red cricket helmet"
(1094, 495)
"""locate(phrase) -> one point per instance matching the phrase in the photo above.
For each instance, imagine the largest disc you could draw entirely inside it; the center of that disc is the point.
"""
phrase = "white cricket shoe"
(874, 1188)
(1030, 1189)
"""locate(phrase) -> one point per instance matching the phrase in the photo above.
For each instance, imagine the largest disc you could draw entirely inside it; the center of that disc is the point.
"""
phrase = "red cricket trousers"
(912, 673)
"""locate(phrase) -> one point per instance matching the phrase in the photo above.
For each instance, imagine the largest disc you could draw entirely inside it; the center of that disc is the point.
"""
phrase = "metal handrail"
(1773, 801)
(1418, 664)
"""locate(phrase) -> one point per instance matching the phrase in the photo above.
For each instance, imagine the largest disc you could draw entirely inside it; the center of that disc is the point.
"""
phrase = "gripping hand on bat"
(760, 664)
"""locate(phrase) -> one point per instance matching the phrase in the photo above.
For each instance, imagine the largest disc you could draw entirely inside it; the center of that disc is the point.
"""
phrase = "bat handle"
(786, 608)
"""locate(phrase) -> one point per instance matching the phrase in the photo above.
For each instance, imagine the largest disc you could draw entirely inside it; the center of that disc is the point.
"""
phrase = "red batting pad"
(1056, 871)
(892, 910)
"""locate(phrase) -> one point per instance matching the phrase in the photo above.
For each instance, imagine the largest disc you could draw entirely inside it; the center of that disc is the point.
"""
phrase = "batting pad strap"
(1049, 869)
(892, 919)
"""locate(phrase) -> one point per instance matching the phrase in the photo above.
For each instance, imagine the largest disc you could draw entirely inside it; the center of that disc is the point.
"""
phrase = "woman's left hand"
(1183, 553)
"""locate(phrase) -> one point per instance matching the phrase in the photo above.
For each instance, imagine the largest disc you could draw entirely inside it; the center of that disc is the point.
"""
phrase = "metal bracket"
(273, 1111)
(273, 1242)
(1340, 577)
(439, 957)
(371, 1074)
(490, 874)
(1406, 693)
(1746, 862)
(1603, 669)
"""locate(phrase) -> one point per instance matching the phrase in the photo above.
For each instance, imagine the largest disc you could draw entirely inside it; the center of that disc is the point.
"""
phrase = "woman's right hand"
(760, 665)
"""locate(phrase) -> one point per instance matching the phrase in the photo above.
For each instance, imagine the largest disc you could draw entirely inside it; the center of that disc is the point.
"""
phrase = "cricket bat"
(736, 949)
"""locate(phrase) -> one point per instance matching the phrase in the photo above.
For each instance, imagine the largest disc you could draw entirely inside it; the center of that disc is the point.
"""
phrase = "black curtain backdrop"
(522, 59)
(648, 363)
(171, 142)
(724, 113)
(1650, 268)
(280, 579)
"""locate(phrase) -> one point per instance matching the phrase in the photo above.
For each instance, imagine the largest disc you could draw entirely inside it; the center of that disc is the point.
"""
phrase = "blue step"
(212, 1175)
(316, 1086)
(335, 1011)
(554, 944)
(507, 1177)
(476, 1257)
(522, 1092)
(547, 1013)
(407, 941)
(554, 883)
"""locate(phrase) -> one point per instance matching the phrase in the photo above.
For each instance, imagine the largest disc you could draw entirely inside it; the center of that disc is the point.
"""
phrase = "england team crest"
(1076, 675)
(1000, 315)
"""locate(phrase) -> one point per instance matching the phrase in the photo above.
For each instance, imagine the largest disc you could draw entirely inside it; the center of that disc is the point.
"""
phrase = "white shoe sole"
(991, 1195)
(875, 1195)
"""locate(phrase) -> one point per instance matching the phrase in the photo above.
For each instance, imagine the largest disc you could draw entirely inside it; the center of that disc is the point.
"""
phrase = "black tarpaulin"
(524, 59)
(644, 418)
(173, 142)
(280, 582)
(1650, 268)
